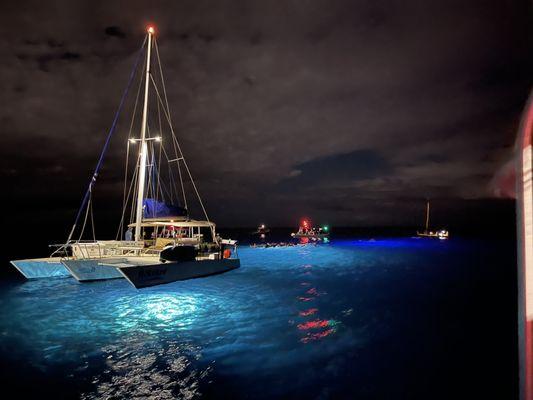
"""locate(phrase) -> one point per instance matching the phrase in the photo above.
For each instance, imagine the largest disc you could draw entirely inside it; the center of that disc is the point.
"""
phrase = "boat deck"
(124, 262)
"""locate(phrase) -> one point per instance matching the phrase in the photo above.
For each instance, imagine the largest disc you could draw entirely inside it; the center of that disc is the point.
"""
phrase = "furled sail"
(158, 209)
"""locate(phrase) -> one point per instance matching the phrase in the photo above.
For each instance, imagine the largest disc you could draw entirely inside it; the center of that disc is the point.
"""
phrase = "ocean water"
(387, 318)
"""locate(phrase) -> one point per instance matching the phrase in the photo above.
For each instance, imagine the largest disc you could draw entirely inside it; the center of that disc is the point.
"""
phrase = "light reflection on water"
(283, 307)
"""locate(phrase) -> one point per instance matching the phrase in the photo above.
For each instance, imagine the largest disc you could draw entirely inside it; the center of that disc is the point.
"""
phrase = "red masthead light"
(150, 30)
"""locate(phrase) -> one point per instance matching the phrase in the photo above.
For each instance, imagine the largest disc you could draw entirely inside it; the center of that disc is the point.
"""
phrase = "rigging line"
(135, 106)
(185, 163)
(84, 220)
(159, 157)
(132, 122)
(132, 184)
(125, 186)
(153, 171)
(135, 187)
(125, 199)
(156, 183)
(170, 121)
(176, 140)
(179, 153)
(106, 144)
(182, 185)
(172, 187)
(147, 186)
(92, 217)
(171, 192)
(171, 178)
(152, 180)
(159, 172)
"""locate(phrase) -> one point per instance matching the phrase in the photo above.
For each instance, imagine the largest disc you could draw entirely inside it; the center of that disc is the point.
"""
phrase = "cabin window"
(207, 235)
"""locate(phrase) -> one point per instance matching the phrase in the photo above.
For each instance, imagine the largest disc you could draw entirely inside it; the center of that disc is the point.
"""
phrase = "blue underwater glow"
(315, 321)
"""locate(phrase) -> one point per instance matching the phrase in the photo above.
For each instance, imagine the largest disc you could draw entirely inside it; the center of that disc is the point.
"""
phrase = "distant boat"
(440, 234)
(261, 230)
(162, 243)
(306, 231)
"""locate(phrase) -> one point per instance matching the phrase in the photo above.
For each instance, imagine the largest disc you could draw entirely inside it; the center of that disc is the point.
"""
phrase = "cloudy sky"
(349, 112)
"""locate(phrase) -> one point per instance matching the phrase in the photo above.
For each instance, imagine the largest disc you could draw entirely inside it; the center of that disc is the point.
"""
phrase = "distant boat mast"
(427, 215)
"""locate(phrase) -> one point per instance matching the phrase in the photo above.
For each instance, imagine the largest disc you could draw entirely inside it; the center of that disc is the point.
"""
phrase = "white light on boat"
(158, 138)
(151, 30)
(132, 141)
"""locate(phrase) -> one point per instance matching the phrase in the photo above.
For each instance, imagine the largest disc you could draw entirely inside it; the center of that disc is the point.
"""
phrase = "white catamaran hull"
(92, 270)
(142, 276)
(36, 268)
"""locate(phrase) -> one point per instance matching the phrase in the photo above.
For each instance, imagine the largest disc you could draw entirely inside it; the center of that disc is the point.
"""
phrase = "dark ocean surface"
(362, 317)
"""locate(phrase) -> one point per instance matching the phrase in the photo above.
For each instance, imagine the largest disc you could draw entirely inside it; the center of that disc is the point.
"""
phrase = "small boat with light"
(261, 230)
(306, 231)
(441, 234)
(162, 242)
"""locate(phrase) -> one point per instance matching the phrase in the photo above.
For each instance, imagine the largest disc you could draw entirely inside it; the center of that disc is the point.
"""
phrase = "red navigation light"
(305, 223)
(151, 30)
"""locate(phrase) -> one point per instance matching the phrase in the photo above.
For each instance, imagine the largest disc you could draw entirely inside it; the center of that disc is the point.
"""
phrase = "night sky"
(348, 112)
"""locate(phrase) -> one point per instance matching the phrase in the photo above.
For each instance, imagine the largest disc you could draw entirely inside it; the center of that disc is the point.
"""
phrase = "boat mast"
(427, 215)
(143, 148)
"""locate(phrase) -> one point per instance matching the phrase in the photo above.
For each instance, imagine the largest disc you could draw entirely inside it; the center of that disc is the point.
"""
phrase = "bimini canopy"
(158, 209)
(178, 224)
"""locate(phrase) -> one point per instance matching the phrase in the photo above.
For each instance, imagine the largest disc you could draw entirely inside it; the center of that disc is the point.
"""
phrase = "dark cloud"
(115, 31)
(352, 111)
(350, 167)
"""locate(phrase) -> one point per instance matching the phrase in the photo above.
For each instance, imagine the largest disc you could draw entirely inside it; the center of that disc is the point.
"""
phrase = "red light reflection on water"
(317, 328)
(316, 324)
(316, 336)
(306, 313)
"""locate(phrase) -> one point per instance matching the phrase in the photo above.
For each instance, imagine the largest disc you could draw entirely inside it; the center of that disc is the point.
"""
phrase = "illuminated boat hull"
(37, 268)
(142, 276)
(93, 269)
(304, 235)
(433, 235)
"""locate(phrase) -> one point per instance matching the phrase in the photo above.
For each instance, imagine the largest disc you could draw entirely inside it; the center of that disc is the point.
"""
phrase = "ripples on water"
(289, 322)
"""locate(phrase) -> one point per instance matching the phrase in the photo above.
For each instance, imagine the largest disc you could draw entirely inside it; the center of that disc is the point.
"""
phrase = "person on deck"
(128, 235)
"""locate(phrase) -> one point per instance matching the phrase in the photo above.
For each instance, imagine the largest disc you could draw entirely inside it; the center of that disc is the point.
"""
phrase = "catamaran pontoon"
(162, 243)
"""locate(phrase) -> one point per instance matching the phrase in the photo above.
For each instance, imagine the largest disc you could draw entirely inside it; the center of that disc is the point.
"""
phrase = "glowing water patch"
(153, 311)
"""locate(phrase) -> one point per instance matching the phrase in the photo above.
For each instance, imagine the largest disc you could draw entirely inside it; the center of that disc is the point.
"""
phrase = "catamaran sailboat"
(162, 243)
(440, 234)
